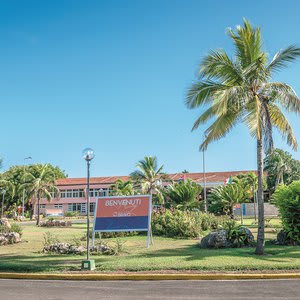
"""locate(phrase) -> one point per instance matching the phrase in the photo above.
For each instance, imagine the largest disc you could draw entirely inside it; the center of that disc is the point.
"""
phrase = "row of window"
(79, 207)
(79, 193)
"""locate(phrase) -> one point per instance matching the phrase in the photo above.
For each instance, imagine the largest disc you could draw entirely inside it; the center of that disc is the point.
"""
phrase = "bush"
(56, 223)
(177, 223)
(71, 214)
(287, 199)
(16, 228)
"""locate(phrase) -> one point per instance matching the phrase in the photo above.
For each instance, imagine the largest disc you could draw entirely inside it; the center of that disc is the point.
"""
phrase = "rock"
(13, 237)
(284, 239)
(3, 240)
(215, 239)
(221, 239)
(4, 222)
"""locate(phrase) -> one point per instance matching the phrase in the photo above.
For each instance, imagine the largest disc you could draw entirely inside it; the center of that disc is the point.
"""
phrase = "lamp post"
(23, 199)
(88, 155)
(2, 206)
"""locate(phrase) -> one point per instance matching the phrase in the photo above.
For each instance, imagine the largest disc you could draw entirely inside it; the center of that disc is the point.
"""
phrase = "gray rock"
(3, 240)
(13, 237)
(215, 239)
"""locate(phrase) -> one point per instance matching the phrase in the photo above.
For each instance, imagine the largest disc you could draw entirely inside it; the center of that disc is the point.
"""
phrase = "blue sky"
(112, 75)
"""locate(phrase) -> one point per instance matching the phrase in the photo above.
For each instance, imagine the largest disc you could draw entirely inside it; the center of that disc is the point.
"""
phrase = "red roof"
(210, 177)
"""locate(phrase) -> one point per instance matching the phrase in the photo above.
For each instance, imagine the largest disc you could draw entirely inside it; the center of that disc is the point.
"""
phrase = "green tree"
(40, 183)
(240, 89)
(149, 177)
(183, 194)
(281, 168)
(122, 188)
(223, 198)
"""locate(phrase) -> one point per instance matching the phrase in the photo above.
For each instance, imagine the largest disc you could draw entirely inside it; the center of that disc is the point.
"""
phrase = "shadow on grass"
(39, 263)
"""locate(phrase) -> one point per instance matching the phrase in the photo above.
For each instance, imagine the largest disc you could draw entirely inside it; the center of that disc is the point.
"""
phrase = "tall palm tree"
(122, 188)
(240, 89)
(40, 183)
(149, 177)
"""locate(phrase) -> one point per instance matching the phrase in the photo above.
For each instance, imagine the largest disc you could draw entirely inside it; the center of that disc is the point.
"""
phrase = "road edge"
(146, 277)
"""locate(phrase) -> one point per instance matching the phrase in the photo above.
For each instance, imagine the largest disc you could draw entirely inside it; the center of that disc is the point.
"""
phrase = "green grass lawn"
(165, 254)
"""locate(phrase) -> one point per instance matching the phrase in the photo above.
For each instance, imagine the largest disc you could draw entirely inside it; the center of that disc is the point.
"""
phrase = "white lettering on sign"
(123, 202)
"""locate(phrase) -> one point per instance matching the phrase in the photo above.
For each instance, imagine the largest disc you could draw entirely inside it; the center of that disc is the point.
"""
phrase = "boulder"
(284, 239)
(3, 240)
(215, 239)
(13, 237)
(4, 222)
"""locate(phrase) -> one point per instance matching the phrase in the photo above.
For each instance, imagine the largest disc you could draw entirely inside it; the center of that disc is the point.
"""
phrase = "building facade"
(72, 196)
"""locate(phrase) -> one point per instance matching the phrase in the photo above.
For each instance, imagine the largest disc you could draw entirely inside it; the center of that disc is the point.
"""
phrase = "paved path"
(247, 289)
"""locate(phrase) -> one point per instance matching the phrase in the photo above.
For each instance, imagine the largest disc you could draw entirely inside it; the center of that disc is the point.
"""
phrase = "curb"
(146, 277)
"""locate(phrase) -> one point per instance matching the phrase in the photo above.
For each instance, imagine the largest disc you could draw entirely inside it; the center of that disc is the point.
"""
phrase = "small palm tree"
(122, 188)
(240, 90)
(184, 194)
(279, 164)
(226, 196)
(40, 183)
(149, 177)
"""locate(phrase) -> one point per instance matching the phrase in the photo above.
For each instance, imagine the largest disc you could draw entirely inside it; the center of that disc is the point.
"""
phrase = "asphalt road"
(247, 289)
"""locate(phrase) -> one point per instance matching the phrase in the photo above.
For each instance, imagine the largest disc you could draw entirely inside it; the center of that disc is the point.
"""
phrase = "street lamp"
(2, 206)
(88, 154)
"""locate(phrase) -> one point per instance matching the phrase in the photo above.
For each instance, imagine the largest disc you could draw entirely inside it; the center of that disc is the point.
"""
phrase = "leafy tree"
(149, 177)
(183, 194)
(287, 199)
(240, 89)
(223, 198)
(40, 183)
(122, 188)
(15, 176)
(281, 168)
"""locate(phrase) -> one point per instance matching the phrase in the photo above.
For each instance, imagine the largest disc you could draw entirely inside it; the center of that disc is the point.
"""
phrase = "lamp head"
(88, 154)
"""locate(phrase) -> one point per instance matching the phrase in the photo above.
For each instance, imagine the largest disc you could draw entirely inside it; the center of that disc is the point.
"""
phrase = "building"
(72, 196)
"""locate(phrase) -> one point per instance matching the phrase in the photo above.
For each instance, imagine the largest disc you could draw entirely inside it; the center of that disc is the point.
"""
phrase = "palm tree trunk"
(38, 211)
(260, 200)
(254, 204)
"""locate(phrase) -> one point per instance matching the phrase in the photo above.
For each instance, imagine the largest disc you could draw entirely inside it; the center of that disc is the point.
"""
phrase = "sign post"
(123, 213)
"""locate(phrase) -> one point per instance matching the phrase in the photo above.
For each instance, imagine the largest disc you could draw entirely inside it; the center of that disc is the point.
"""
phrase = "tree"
(281, 168)
(248, 182)
(183, 194)
(149, 177)
(223, 198)
(40, 183)
(122, 188)
(240, 90)
(15, 175)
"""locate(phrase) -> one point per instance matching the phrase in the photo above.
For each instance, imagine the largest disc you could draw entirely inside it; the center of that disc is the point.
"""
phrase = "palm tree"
(226, 196)
(184, 194)
(240, 90)
(278, 164)
(40, 183)
(149, 177)
(122, 188)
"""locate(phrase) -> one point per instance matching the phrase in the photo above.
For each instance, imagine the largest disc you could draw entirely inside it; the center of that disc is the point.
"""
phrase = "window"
(70, 207)
(42, 205)
(58, 206)
(81, 193)
(69, 193)
(80, 207)
(63, 194)
(92, 207)
(75, 193)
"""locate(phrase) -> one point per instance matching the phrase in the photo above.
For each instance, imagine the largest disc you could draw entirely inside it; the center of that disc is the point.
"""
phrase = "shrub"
(71, 214)
(177, 223)
(287, 199)
(50, 239)
(16, 228)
